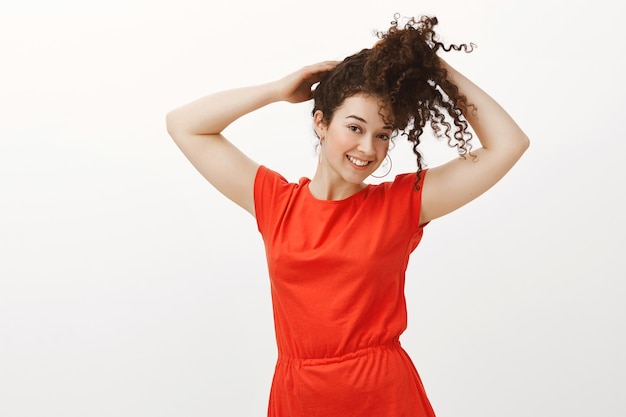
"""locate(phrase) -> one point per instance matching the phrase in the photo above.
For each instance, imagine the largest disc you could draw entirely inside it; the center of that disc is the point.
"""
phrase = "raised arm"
(454, 184)
(196, 128)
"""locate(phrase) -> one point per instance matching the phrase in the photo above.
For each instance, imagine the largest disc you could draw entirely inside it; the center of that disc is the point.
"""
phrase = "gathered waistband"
(287, 360)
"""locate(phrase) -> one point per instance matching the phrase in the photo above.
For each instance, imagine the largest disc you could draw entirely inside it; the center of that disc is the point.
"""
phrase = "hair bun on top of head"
(425, 26)
(403, 65)
(404, 62)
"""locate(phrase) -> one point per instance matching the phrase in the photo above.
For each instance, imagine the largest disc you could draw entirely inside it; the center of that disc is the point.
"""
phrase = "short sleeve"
(404, 197)
(271, 192)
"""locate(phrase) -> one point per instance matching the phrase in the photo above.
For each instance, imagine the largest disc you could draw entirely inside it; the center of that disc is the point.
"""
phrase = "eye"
(384, 136)
(354, 128)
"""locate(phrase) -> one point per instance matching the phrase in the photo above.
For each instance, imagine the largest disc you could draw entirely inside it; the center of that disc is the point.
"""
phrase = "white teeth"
(357, 161)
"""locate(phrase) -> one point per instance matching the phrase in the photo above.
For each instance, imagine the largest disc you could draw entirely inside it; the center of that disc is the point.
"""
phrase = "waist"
(284, 359)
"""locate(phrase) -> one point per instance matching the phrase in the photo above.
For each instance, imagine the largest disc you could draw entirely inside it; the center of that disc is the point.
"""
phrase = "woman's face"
(356, 140)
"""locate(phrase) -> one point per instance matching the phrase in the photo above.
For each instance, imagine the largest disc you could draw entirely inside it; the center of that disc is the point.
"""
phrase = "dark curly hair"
(403, 70)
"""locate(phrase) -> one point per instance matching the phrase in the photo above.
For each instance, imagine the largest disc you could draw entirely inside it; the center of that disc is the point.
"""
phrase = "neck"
(325, 186)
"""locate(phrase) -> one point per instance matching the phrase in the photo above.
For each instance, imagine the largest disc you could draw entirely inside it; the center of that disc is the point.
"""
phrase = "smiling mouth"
(358, 162)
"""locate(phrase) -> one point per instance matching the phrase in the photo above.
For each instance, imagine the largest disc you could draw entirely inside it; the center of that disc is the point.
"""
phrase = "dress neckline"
(304, 183)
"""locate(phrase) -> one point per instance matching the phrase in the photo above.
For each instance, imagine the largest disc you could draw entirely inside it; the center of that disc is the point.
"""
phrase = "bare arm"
(196, 128)
(456, 183)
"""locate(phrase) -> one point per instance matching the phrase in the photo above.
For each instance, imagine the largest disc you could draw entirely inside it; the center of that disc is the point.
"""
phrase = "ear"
(319, 124)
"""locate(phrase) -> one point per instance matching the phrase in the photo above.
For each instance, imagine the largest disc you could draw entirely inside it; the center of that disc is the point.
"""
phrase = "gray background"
(130, 287)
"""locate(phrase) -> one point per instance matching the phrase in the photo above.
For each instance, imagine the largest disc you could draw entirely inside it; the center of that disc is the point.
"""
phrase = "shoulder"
(273, 194)
(402, 184)
(401, 199)
(266, 175)
(267, 181)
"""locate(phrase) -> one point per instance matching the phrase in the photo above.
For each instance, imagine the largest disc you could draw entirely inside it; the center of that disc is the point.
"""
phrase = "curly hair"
(402, 69)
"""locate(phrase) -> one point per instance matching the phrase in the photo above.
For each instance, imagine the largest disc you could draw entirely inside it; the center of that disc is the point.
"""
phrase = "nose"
(366, 146)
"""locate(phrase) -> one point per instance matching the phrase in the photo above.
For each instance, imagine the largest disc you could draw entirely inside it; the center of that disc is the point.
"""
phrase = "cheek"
(383, 148)
(338, 143)
(331, 148)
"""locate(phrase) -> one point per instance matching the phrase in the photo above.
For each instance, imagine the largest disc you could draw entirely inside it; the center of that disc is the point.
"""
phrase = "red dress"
(337, 280)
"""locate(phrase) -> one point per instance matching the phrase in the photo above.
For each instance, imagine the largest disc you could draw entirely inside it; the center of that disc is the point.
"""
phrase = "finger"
(329, 65)
(314, 72)
(324, 66)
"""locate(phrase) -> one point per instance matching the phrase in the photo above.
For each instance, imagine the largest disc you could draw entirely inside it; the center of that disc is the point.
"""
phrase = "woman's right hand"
(297, 87)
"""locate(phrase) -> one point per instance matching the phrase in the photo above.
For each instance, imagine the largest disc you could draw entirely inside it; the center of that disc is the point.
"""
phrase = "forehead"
(368, 107)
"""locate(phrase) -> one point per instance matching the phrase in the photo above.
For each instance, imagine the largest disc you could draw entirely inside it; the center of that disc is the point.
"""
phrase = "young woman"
(337, 248)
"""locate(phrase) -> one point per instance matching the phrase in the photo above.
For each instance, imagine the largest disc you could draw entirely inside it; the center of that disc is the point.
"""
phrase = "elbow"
(515, 147)
(170, 123)
(524, 143)
(518, 143)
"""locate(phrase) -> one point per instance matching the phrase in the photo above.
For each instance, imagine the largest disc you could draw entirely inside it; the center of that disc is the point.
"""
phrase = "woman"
(337, 248)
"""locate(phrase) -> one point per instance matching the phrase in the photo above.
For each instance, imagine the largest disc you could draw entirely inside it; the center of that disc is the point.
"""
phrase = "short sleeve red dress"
(337, 271)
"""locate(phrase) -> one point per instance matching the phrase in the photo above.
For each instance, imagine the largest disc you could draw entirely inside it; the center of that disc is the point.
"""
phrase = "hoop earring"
(389, 164)
(318, 150)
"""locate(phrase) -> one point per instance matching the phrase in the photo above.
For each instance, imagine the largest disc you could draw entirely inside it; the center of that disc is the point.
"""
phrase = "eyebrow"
(360, 119)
